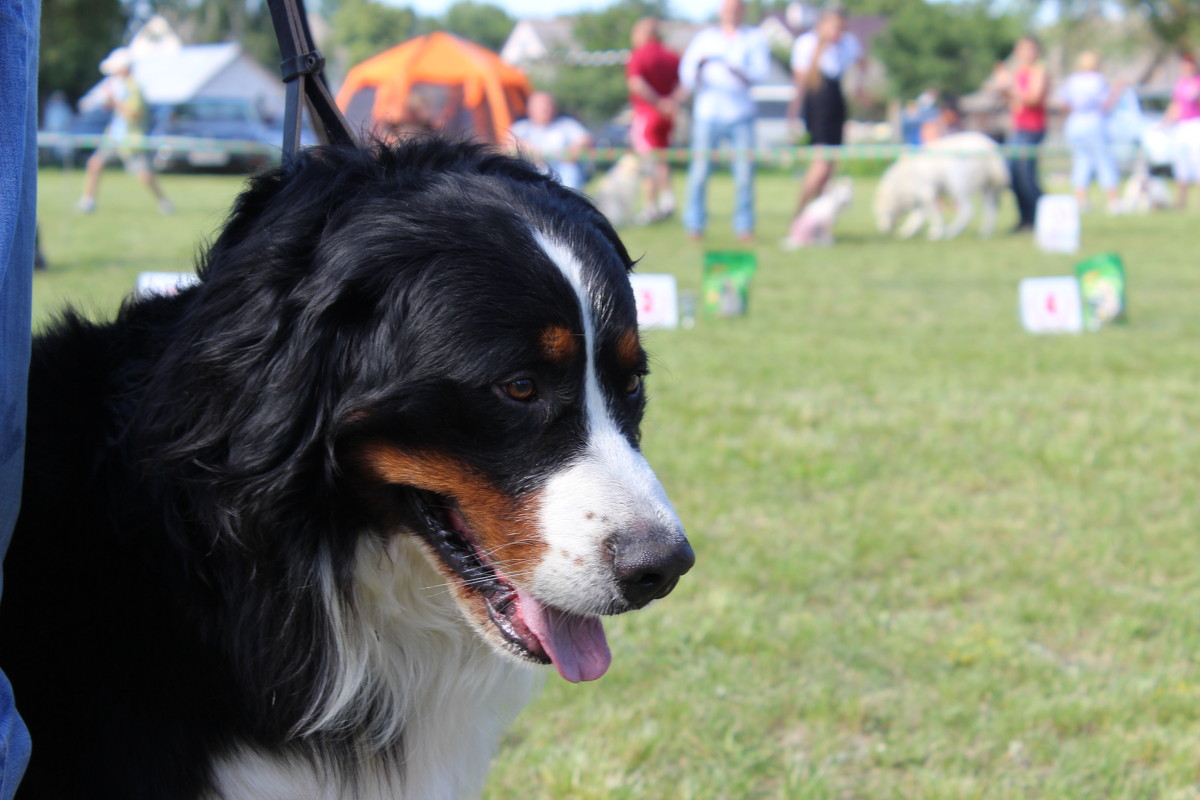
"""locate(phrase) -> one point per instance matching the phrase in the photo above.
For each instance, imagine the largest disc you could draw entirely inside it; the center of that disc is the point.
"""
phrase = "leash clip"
(310, 63)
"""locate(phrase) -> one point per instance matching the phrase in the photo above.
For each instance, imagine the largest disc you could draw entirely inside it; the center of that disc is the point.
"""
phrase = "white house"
(173, 75)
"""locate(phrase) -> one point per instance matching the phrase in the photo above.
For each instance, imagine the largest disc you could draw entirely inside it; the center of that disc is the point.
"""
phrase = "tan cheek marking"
(629, 350)
(559, 344)
(505, 527)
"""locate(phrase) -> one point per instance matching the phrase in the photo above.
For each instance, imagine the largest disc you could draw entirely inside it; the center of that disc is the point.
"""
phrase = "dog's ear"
(281, 213)
(253, 369)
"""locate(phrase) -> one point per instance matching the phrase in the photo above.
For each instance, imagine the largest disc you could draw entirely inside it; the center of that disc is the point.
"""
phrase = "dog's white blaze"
(610, 488)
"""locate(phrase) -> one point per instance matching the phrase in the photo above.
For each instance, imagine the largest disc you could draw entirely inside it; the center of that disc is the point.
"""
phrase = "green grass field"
(938, 557)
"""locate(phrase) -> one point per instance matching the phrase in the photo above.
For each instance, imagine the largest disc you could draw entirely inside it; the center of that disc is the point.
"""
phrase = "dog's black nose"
(647, 566)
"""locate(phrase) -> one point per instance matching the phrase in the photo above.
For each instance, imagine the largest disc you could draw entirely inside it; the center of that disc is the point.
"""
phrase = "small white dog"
(814, 226)
(958, 167)
(1144, 192)
(616, 194)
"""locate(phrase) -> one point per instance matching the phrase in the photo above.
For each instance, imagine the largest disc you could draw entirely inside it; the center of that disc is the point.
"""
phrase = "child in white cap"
(125, 136)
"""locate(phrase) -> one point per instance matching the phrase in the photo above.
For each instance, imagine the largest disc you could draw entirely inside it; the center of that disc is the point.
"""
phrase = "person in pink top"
(1184, 115)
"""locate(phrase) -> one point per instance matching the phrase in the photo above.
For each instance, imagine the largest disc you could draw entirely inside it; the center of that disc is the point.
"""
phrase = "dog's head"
(470, 375)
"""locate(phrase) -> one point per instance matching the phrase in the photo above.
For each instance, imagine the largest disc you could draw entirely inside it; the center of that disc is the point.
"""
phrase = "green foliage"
(483, 23)
(947, 46)
(592, 94)
(76, 35)
(608, 29)
(363, 28)
(597, 93)
(208, 21)
(1175, 23)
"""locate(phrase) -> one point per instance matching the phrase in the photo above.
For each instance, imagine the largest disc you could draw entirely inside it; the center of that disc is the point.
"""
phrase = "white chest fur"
(437, 688)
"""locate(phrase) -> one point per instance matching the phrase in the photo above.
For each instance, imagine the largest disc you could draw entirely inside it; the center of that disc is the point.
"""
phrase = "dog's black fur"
(189, 463)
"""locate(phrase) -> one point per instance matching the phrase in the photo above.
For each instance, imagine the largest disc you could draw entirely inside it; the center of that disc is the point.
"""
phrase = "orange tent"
(435, 82)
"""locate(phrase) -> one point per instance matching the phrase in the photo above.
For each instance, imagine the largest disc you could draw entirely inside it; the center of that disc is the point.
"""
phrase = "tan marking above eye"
(559, 344)
(629, 350)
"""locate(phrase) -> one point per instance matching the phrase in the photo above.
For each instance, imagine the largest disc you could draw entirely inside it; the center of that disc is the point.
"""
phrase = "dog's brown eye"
(634, 386)
(523, 389)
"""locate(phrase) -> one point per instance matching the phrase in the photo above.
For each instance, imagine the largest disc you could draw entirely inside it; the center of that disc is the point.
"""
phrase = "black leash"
(303, 75)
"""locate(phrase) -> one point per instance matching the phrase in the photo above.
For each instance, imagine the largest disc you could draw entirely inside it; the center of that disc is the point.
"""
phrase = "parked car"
(71, 152)
(213, 134)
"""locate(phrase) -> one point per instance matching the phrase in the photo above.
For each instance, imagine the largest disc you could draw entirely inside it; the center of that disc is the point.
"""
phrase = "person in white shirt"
(820, 58)
(552, 142)
(1088, 96)
(719, 66)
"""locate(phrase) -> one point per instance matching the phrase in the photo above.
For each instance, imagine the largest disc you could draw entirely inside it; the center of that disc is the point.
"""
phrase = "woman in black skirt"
(819, 60)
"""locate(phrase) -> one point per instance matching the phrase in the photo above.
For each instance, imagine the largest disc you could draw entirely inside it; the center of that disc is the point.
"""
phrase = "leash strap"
(302, 70)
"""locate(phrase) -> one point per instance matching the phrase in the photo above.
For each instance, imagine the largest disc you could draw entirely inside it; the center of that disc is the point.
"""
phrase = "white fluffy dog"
(958, 167)
(616, 193)
(815, 225)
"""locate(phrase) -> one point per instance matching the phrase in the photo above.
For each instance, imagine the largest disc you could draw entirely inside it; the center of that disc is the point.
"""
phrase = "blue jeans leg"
(695, 212)
(742, 133)
(19, 22)
(1024, 170)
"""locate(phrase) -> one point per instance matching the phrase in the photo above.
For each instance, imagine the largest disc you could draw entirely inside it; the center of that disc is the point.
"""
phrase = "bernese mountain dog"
(300, 531)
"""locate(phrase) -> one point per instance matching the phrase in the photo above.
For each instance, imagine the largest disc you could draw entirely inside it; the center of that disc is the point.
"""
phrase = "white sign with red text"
(1051, 305)
(657, 298)
(1056, 228)
(165, 283)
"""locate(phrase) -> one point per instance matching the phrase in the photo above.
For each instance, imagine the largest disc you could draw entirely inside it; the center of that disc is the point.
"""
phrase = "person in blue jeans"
(19, 21)
(1089, 98)
(719, 66)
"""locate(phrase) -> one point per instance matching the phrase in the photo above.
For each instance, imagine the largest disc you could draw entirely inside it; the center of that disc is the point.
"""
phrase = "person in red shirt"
(652, 75)
(1026, 86)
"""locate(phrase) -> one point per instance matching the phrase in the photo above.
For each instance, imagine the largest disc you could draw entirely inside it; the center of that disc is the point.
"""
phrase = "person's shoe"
(746, 237)
(1023, 227)
(166, 207)
(86, 205)
(696, 236)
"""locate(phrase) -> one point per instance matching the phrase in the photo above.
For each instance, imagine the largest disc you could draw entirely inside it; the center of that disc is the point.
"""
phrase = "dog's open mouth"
(574, 643)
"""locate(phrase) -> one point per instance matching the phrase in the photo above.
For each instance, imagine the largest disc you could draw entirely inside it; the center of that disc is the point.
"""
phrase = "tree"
(597, 92)
(76, 35)
(207, 21)
(946, 46)
(363, 28)
(1175, 23)
(482, 23)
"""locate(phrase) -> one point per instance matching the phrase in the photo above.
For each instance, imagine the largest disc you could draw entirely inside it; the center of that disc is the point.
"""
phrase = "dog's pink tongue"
(575, 643)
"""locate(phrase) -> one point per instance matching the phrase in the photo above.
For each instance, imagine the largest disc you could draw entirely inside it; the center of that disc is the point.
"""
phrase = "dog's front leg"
(912, 223)
(937, 225)
(963, 211)
(987, 222)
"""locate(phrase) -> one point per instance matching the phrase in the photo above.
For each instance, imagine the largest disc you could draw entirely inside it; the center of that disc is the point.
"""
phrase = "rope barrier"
(779, 156)
(155, 144)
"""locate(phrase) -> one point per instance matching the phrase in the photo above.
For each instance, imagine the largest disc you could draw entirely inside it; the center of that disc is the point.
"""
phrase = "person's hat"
(118, 60)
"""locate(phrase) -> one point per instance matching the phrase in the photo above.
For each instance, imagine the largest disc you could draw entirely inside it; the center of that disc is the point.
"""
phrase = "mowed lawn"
(937, 557)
